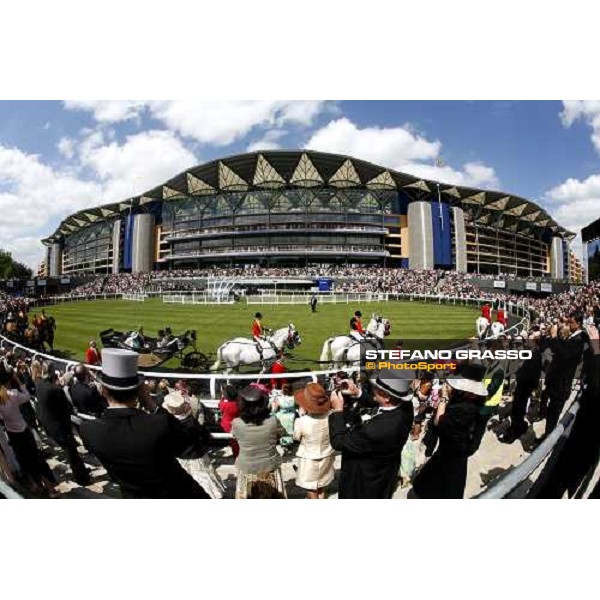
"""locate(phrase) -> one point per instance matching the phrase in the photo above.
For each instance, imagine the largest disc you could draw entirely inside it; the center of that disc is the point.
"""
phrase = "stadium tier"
(591, 240)
(295, 208)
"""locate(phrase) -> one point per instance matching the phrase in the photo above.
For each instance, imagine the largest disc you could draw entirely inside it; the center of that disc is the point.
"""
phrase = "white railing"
(197, 298)
(322, 298)
(134, 297)
(212, 381)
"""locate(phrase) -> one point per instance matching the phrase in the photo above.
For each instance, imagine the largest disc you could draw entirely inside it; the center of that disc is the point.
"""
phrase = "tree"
(9, 268)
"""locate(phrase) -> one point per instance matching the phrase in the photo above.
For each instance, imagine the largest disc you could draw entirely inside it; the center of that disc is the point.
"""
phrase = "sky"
(59, 157)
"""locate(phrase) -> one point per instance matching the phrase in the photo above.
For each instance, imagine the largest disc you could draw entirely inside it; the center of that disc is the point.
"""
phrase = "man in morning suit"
(138, 449)
(371, 451)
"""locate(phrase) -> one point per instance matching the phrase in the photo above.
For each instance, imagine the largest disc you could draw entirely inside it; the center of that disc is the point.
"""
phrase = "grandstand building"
(591, 243)
(293, 208)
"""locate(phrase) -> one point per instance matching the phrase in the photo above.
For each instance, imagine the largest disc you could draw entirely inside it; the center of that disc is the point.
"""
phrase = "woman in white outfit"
(315, 454)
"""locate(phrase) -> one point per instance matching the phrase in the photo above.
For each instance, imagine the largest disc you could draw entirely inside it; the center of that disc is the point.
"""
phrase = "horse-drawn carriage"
(154, 351)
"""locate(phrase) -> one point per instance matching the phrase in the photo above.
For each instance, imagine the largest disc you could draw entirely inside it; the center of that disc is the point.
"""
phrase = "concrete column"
(421, 235)
(557, 258)
(55, 266)
(460, 240)
(142, 248)
(116, 244)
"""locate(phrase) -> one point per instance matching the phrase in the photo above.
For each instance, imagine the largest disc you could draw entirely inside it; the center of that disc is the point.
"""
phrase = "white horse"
(344, 349)
(244, 351)
(481, 323)
(495, 329)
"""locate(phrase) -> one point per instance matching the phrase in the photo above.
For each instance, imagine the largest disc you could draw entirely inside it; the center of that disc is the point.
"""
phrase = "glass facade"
(271, 225)
(89, 249)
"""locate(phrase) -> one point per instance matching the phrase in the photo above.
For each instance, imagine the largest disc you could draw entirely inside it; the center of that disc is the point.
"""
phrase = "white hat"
(120, 369)
(177, 405)
(395, 385)
(469, 380)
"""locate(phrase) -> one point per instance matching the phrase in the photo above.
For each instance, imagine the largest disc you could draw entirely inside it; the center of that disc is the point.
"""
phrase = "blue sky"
(56, 157)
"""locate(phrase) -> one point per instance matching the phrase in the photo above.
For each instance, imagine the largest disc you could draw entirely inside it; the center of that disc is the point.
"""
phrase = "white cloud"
(586, 110)
(210, 122)
(109, 111)
(66, 146)
(35, 197)
(399, 148)
(573, 203)
(269, 141)
(141, 162)
(223, 122)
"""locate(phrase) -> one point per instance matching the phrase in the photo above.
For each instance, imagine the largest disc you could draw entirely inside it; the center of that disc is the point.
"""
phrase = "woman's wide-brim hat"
(176, 404)
(469, 380)
(119, 370)
(313, 399)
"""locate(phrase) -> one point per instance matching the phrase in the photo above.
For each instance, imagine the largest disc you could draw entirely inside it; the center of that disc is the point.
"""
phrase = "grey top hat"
(395, 384)
(119, 369)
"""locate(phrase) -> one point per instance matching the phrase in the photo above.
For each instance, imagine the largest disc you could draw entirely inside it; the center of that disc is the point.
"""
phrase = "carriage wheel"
(196, 361)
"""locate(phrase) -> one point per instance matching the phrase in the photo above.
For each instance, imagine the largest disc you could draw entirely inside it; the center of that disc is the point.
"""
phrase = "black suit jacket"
(371, 452)
(139, 452)
(87, 399)
(566, 356)
(54, 411)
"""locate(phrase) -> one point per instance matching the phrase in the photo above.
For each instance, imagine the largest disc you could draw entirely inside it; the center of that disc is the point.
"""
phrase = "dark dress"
(445, 474)
(371, 451)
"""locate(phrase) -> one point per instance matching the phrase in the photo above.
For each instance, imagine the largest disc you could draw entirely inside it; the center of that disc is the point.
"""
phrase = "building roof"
(591, 232)
(306, 169)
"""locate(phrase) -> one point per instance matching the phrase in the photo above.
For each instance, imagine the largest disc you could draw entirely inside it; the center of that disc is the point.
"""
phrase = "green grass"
(79, 322)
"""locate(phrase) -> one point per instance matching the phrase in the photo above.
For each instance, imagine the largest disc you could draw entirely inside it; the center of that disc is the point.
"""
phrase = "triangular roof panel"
(170, 193)
(345, 176)
(452, 192)
(517, 211)
(383, 181)
(198, 187)
(229, 180)
(305, 174)
(419, 185)
(266, 176)
(500, 204)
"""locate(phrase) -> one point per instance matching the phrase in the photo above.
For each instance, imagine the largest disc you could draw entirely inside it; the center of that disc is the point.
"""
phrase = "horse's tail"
(217, 363)
(325, 353)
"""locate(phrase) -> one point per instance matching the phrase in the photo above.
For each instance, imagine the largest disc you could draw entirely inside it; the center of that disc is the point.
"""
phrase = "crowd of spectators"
(349, 416)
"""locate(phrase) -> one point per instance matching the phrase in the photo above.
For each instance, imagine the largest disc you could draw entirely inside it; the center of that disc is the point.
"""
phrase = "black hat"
(257, 315)
(358, 313)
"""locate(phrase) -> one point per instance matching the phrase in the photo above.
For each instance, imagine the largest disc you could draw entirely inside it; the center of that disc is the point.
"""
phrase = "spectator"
(85, 395)
(445, 474)
(13, 395)
(229, 410)
(195, 459)
(92, 356)
(315, 454)
(138, 449)
(54, 414)
(283, 407)
(257, 434)
(371, 451)
(528, 379)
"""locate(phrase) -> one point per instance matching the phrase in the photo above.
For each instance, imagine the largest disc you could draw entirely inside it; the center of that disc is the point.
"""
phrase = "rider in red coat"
(356, 319)
(486, 311)
(501, 316)
(257, 327)
(278, 367)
